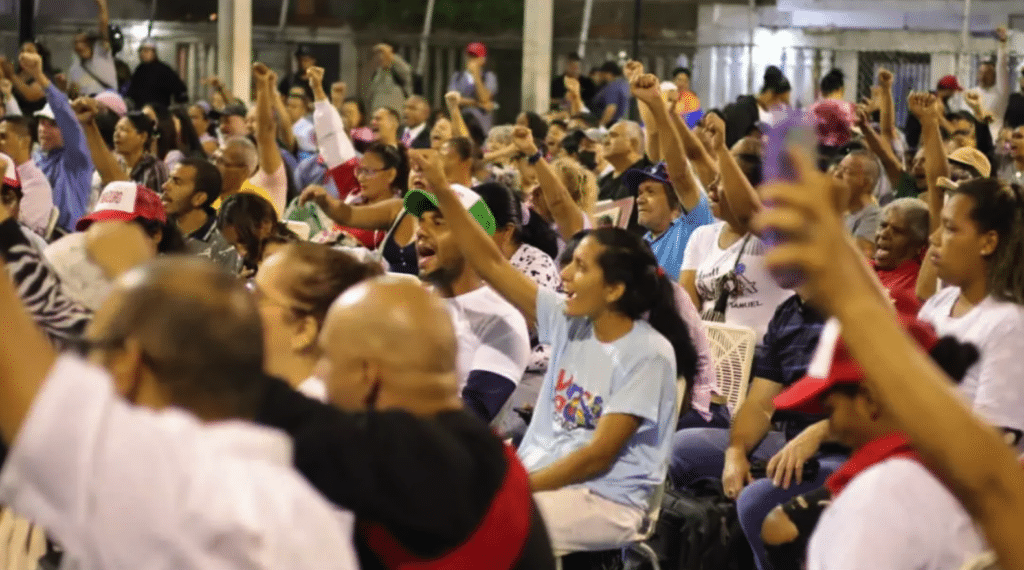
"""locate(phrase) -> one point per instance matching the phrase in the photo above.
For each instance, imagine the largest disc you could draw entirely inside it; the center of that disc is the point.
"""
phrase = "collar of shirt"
(649, 237)
(877, 451)
(415, 131)
(205, 232)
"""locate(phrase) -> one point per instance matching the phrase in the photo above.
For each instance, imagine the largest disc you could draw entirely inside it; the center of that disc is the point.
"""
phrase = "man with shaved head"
(428, 481)
(182, 484)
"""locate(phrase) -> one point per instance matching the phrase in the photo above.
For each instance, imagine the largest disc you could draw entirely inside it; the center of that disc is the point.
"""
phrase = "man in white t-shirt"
(888, 510)
(494, 342)
(183, 484)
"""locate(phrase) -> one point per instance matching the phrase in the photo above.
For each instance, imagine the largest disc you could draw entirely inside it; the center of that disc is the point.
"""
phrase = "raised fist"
(522, 137)
(452, 98)
(633, 70)
(885, 78)
(646, 88)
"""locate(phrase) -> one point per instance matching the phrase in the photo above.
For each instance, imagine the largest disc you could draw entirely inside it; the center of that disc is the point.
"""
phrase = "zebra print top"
(62, 318)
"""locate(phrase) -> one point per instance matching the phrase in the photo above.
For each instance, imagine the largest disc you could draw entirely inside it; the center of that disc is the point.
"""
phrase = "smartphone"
(791, 128)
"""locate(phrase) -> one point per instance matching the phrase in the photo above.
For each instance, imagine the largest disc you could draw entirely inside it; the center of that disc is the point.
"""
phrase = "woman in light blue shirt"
(599, 441)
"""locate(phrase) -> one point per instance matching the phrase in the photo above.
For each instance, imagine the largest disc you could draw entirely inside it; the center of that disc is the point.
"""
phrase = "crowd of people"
(324, 329)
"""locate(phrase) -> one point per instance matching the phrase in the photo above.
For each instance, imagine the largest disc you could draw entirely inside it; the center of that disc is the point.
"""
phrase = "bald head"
(404, 353)
(196, 329)
(244, 150)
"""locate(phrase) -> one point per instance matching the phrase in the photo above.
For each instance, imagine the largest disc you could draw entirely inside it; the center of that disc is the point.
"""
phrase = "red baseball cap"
(950, 82)
(833, 364)
(476, 49)
(125, 201)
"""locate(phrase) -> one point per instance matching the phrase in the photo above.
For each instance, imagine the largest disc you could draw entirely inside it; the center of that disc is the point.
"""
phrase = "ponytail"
(628, 260)
(999, 207)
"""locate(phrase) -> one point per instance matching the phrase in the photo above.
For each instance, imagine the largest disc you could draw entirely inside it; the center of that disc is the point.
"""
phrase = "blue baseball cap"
(635, 177)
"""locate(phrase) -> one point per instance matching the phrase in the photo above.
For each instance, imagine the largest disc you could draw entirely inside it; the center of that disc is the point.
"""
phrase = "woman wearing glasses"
(371, 209)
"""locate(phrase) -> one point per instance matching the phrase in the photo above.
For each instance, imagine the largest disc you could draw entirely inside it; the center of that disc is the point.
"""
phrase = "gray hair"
(500, 136)
(247, 148)
(915, 212)
(635, 132)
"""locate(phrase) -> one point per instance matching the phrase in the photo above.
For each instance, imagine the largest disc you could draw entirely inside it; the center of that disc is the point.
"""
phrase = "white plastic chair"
(51, 223)
(732, 347)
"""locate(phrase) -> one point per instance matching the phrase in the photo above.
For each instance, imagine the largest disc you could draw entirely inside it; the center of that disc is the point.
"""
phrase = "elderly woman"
(900, 243)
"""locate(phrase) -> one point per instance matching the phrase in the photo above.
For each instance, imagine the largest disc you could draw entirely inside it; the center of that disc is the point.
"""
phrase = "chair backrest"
(732, 347)
(658, 496)
(51, 223)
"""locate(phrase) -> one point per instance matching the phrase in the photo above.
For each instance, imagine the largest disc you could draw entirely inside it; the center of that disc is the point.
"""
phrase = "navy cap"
(633, 178)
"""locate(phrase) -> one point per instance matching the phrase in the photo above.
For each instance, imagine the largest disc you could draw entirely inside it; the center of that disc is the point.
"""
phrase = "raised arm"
(887, 106)
(741, 200)
(645, 88)
(332, 138)
(30, 91)
(459, 128)
(1002, 73)
(883, 150)
(104, 21)
(967, 455)
(281, 119)
(106, 163)
(572, 95)
(480, 250)
(482, 91)
(567, 214)
(266, 140)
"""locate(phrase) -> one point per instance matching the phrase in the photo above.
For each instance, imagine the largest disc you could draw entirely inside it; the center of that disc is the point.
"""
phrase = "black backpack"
(698, 529)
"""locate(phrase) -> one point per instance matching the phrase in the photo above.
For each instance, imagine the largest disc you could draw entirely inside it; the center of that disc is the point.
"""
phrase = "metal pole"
(282, 20)
(588, 8)
(26, 20)
(751, 24)
(965, 36)
(637, 13)
(421, 64)
(152, 18)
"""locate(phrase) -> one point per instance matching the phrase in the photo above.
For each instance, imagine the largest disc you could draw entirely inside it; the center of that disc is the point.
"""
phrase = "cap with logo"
(417, 202)
(125, 201)
(476, 49)
(951, 83)
(833, 365)
(637, 176)
(972, 158)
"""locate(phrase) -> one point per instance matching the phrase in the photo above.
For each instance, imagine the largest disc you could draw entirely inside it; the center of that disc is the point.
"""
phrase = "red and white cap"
(11, 172)
(832, 364)
(125, 201)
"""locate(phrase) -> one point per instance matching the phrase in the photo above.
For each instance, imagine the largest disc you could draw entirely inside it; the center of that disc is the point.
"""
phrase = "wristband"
(535, 158)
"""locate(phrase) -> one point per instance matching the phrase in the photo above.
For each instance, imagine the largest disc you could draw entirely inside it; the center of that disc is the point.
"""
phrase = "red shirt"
(344, 176)
(902, 282)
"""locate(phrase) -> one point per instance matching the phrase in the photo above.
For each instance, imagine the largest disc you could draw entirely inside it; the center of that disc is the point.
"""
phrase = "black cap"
(233, 109)
(303, 50)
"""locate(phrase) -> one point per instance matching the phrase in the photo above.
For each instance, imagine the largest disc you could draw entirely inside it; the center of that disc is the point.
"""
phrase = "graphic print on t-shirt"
(735, 282)
(574, 406)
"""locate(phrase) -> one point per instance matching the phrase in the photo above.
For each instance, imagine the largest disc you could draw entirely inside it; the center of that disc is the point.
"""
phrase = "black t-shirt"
(612, 187)
(428, 481)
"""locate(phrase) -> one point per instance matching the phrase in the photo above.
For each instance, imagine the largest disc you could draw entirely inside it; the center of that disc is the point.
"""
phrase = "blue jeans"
(699, 453)
(720, 418)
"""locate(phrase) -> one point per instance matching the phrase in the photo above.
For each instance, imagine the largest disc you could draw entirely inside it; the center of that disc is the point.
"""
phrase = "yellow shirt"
(250, 188)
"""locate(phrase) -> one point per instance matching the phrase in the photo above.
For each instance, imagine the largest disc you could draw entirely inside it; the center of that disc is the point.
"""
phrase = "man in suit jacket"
(416, 133)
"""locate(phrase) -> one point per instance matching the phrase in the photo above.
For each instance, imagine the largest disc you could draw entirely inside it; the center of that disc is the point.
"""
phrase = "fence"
(721, 72)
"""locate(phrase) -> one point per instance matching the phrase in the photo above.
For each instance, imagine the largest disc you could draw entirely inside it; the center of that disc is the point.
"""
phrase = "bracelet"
(535, 158)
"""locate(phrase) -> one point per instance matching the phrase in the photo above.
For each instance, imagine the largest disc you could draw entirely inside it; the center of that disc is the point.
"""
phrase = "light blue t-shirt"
(586, 379)
(671, 245)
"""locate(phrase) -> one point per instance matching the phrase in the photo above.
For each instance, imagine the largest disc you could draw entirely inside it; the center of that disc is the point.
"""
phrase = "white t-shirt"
(275, 184)
(994, 385)
(755, 295)
(314, 388)
(491, 334)
(894, 515)
(80, 278)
